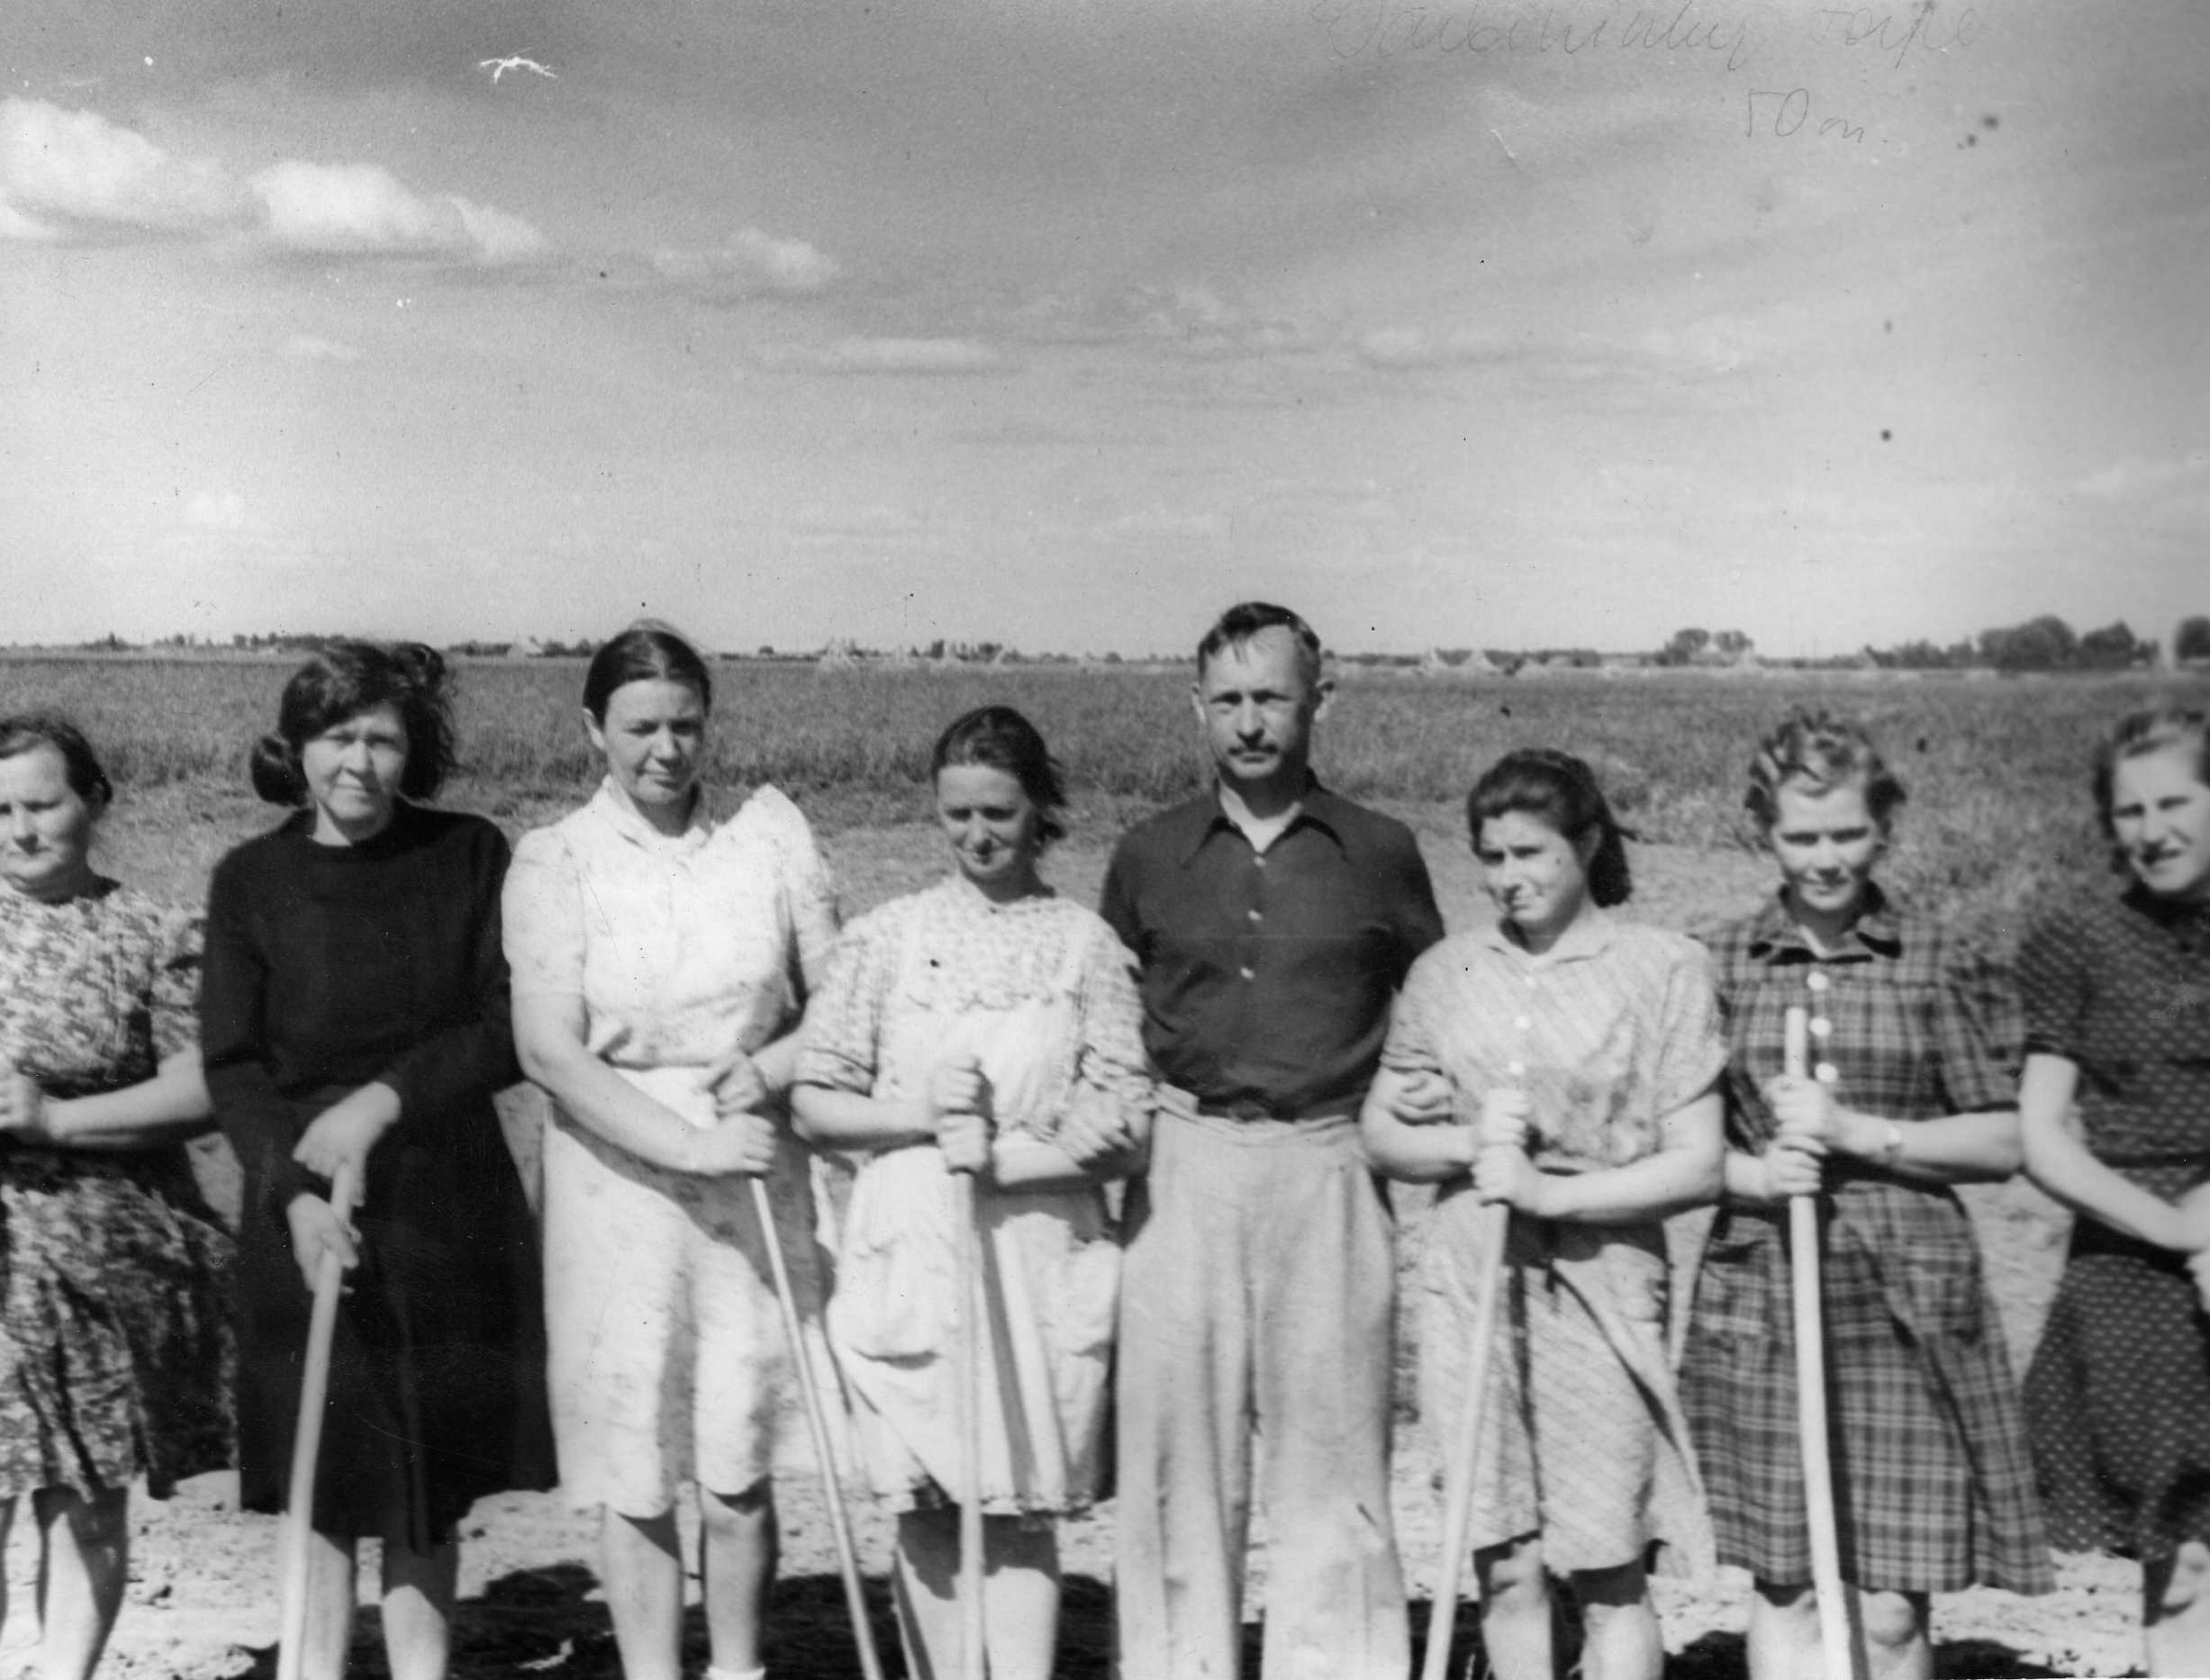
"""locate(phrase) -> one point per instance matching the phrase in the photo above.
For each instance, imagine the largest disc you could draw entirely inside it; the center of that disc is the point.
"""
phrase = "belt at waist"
(1175, 1104)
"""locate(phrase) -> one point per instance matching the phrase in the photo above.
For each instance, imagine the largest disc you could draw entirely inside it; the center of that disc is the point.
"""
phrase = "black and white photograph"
(1157, 839)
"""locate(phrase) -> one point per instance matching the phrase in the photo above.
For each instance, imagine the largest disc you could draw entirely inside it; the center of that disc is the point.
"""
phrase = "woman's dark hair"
(2138, 733)
(1001, 738)
(1823, 750)
(27, 731)
(344, 680)
(646, 652)
(1561, 790)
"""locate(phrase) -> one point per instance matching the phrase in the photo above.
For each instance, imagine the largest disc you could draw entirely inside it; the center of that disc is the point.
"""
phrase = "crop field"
(1999, 818)
(1997, 769)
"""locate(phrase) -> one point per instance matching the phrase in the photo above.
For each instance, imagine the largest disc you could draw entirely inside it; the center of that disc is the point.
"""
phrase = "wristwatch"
(1891, 1150)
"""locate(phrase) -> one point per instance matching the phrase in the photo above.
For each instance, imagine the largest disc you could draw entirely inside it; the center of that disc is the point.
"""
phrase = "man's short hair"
(1246, 619)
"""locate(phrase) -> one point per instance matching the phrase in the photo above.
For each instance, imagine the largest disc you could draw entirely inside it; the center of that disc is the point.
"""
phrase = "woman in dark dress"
(115, 1335)
(355, 1011)
(1915, 1038)
(2117, 995)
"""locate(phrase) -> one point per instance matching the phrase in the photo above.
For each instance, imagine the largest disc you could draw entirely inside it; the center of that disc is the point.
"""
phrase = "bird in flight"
(500, 66)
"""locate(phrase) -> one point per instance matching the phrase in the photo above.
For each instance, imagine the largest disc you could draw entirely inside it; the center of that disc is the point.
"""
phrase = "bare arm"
(1954, 1148)
(841, 1119)
(168, 1108)
(1418, 1154)
(1683, 1171)
(2067, 1169)
(548, 1037)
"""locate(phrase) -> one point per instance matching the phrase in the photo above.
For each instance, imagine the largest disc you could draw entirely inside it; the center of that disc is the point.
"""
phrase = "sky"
(1064, 323)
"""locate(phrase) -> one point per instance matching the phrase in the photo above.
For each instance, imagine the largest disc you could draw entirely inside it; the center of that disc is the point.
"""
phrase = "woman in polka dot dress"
(2117, 995)
(1916, 1042)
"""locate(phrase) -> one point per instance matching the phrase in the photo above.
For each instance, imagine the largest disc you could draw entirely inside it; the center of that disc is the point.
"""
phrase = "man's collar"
(1319, 808)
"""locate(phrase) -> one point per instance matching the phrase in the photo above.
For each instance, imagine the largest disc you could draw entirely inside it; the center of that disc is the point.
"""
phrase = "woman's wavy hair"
(344, 680)
(1001, 738)
(648, 651)
(26, 731)
(1823, 750)
(1562, 792)
(2138, 733)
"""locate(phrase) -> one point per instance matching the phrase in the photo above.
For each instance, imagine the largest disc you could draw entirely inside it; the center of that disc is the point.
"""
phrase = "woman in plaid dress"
(1915, 1039)
(1583, 1053)
(2117, 995)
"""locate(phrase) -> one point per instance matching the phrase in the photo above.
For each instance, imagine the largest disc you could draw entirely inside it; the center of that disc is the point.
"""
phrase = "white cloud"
(891, 356)
(752, 262)
(1193, 319)
(1406, 348)
(77, 166)
(340, 209)
(307, 347)
(74, 172)
(2136, 475)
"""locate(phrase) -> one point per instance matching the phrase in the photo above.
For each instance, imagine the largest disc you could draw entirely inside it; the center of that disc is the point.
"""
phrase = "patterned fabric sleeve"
(173, 999)
(1978, 1032)
(844, 1020)
(1692, 1050)
(2053, 982)
(1112, 1049)
(1413, 1045)
(809, 891)
(543, 916)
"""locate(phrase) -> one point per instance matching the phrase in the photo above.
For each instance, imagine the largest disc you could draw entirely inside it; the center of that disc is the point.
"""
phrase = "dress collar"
(1877, 930)
(614, 809)
(1590, 937)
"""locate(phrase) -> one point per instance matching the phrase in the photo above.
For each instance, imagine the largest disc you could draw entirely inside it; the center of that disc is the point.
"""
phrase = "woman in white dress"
(986, 1027)
(660, 959)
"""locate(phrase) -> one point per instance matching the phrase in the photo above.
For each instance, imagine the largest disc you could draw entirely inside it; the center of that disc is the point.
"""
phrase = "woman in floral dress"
(2117, 997)
(983, 1026)
(662, 947)
(115, 1341)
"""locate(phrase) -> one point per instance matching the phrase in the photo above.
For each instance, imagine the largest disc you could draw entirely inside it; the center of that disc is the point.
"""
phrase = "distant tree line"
(2046, 643)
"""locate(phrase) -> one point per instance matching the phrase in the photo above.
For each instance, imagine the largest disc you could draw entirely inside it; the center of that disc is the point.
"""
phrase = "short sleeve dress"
(1932, 1480)
(1582, 1438)
(2118, 1398)
(115, 1344)
(668, 1362)
(330, 968)
(1041, 992)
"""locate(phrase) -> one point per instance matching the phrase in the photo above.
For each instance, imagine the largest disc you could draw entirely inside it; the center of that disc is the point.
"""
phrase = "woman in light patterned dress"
(983, 1026)
(660, 957)
(1584, 1052)
(114, 1338)
(2118, 1000)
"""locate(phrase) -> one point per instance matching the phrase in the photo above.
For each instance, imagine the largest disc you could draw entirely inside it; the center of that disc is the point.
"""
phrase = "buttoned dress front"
(667, 1359)
(1037, 992)
(1582, 1438)
(1932, 1484)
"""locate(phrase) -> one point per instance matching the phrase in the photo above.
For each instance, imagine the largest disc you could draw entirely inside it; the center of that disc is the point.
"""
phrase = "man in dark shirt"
(1274, 922)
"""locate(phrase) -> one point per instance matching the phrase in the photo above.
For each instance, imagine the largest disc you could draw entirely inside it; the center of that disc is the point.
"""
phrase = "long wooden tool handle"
(1833, 1621)
(974, 1664)
(307, 1437)
(1492, 1225)
(817, 1423)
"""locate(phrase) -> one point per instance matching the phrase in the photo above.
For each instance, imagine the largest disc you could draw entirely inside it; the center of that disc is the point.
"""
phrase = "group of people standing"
(1264, 1015)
